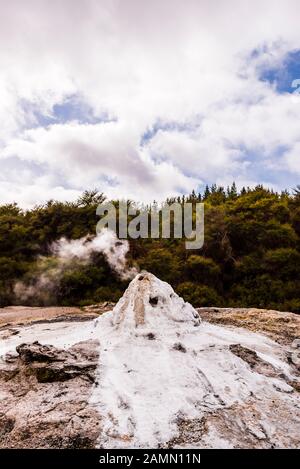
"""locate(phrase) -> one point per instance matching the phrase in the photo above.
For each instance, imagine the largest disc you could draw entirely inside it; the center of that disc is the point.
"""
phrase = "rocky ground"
(283, 327)
(45, 390)
(238, 387)
(44, 397)
(24, 315)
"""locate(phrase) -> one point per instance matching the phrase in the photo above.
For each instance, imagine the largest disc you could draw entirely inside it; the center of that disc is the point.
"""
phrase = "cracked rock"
(45, 397)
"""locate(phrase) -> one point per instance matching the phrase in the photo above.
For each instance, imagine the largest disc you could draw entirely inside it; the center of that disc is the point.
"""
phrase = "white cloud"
(142, 63)
(292, 159)
(38, 192)
(105, 155)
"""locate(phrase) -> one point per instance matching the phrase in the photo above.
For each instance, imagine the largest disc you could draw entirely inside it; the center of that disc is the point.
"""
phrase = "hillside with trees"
(250, 257)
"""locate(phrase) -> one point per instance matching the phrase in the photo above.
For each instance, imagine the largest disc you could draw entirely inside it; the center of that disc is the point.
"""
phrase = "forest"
(250, 256)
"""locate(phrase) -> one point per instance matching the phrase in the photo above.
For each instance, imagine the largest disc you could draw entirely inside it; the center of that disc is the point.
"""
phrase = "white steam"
(43, 287)
(106, 242)
(68, 253)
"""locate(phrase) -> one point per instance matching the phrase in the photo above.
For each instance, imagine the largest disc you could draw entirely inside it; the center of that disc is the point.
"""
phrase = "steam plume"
(114, 250)
(66, 253)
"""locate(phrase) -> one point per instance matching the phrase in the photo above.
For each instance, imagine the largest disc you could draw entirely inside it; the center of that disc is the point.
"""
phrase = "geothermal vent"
(150, 302)
(163, 381)
(148, 374)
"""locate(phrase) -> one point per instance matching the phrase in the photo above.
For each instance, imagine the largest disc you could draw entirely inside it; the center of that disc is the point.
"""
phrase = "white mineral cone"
(149, 302)
(162, 381)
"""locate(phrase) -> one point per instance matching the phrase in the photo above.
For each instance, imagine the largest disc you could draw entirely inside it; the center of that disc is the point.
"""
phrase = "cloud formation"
(169, 95)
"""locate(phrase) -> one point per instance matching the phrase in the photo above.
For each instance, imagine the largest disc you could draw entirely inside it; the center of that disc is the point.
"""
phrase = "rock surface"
(283, 327)
(13, 316)
(151, 374)
(44, 397)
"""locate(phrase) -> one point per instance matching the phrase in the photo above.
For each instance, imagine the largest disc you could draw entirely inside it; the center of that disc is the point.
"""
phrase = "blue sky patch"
(282, 77)
(71, 109)
(167, 126)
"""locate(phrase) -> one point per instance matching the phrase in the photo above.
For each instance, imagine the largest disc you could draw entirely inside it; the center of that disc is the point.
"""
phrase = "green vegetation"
(250, 258)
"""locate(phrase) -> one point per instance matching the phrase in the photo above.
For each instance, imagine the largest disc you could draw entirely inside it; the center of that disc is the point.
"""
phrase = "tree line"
(250, 256)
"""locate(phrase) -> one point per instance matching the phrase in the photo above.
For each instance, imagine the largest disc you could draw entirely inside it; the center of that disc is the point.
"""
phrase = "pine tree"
(233, 191)
(206, 192)
(213, 188)
(296, 191)
(193, 195)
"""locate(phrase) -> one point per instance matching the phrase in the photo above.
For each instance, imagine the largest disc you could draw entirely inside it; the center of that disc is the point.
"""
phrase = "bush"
(250, 257)
(203, 270)
(199, 295)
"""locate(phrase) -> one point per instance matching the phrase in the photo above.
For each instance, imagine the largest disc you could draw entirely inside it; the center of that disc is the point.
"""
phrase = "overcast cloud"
(145, 99)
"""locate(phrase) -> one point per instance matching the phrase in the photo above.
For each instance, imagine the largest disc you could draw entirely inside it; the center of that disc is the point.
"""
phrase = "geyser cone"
(160, 381)
(150, 302)
(163, 382)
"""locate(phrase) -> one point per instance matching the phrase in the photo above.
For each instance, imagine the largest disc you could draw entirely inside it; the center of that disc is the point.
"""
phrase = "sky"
(145, 100)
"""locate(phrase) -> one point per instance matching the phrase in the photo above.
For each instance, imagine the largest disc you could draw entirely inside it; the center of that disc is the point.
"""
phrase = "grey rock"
(45, 397)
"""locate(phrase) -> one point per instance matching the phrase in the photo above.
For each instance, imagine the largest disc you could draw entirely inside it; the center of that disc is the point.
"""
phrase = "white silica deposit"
(164, 378)
(150, 303)
(159, 365)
